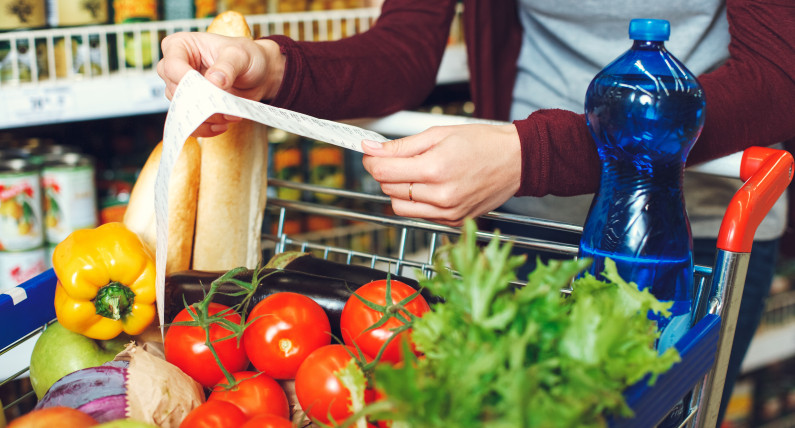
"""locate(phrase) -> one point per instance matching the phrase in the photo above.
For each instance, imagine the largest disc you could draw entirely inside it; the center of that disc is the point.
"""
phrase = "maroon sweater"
(392, 67)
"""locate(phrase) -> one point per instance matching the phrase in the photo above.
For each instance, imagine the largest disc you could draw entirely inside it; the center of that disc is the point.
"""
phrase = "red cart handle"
(767, 173)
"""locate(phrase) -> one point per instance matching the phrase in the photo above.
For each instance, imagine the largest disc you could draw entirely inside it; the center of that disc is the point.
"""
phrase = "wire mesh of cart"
(366, 233)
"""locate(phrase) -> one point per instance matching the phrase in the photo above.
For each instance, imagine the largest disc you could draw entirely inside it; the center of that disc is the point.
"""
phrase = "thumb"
(402, 147)
(229, 64)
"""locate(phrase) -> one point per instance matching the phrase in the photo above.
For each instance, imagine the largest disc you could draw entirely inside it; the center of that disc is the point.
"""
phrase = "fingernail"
(217, 77)
(372, 144)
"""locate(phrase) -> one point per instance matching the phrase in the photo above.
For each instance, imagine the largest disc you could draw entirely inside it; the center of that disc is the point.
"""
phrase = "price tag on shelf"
(194, 101)
(49, 103)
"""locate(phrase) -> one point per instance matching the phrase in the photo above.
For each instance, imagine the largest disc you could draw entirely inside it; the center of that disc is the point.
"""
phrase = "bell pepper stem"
(114, 301)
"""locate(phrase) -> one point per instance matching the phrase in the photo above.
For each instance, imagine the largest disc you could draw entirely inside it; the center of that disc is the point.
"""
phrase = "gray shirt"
(566, 42)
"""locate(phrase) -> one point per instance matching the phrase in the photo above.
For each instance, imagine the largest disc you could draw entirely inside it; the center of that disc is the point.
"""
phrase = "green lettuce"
(499, 355)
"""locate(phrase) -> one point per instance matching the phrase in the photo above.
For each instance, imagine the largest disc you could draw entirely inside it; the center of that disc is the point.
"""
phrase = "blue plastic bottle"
(645, 111)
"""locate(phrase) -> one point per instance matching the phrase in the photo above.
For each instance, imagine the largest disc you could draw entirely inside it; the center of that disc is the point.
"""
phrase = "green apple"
(125, 423)
(59, 351)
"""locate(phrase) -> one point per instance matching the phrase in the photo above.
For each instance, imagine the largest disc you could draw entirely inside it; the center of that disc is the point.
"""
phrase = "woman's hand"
(251, 69)
(446, 174)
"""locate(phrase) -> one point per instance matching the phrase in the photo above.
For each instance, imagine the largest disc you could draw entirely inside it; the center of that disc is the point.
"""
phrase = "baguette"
(232, 192)
(183, 188)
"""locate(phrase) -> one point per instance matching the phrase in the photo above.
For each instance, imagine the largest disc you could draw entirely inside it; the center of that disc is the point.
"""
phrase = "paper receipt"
(194, 101)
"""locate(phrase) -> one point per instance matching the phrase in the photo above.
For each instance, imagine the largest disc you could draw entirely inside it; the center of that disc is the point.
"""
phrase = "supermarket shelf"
(43, 85)
(82, 100)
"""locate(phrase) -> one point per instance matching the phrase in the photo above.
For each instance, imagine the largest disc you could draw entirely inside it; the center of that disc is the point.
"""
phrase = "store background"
(106, 101)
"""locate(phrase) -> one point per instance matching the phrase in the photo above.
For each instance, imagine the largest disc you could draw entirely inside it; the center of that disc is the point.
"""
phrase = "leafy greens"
(500, 356)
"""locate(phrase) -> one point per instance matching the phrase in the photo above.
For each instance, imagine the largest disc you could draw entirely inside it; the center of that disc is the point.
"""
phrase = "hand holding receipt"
(196, 99)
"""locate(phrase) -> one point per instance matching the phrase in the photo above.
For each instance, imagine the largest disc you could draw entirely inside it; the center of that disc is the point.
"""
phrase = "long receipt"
(194, 101)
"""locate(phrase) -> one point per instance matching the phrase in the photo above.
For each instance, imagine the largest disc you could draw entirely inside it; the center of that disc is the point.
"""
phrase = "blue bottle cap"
(656, 30)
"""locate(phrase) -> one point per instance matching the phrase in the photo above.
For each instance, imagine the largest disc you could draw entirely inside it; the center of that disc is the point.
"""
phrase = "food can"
(22, 14)
(17, 267)
(70, 197)
(20, 206)
(61, 13)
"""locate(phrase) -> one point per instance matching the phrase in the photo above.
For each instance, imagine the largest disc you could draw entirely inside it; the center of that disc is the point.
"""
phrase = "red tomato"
(254, 395)
(317, 388)
(214, 414)
(185, 348)
(287, 327)
(357, 317)
(268, 421)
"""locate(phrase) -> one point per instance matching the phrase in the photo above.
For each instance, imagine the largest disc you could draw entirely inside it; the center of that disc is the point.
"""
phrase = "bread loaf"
(232, 192)
(183, 188)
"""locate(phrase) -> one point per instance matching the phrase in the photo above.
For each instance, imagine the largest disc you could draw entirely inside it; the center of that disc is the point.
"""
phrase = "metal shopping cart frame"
(27, 309)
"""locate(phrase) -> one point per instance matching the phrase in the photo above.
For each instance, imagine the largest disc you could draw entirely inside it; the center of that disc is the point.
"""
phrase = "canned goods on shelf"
(70, 201)
(19, 15)
(61, 13)
(20, 206)
(17, 267)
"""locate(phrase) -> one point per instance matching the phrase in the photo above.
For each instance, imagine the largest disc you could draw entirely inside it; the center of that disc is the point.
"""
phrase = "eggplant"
(356, 274)
(330, 292)
(192, 286)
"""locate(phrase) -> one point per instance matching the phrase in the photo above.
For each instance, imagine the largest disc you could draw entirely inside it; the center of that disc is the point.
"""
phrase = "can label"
(17, 267)
(20, 211)
(69, 200)
(86, 12)
(125, 10)
(20, 14)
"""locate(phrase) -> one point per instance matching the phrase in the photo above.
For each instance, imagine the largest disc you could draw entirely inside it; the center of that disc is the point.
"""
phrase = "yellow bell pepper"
(106, 282)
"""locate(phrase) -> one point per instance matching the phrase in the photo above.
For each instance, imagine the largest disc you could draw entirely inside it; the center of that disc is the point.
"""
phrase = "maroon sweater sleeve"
(750, 101)
(388, 68)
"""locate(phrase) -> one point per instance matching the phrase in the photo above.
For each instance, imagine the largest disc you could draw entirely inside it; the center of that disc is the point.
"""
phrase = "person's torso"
(567, 42)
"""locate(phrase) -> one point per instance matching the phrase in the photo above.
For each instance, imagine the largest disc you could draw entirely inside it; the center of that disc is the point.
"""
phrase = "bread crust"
(232, 193)
(183, 189)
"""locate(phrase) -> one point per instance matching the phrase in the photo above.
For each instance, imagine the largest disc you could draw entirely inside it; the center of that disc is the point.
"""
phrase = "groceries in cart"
(307, 340)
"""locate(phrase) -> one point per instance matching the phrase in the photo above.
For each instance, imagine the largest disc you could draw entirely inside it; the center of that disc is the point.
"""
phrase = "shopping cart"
(367, 234)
